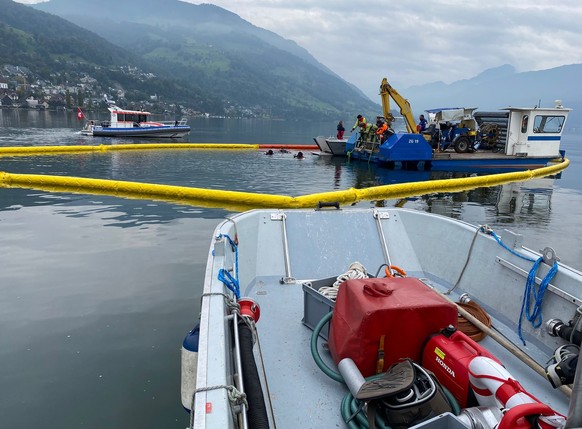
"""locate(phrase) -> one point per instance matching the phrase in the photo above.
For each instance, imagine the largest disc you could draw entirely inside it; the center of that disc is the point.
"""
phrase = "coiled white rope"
(355, 271)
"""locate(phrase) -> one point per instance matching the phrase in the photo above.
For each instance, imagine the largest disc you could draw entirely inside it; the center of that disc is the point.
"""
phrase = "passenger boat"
(399, 318)
(330, 146)
(461, 138)
(134, 123)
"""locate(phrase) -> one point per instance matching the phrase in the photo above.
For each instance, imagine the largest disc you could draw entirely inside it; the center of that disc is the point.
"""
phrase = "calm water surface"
(97, 292)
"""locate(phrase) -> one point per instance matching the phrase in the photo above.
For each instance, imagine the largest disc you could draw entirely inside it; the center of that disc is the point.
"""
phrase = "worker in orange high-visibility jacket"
(384, 130)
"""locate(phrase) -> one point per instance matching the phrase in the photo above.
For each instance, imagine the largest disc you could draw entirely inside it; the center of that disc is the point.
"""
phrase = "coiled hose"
(467, 327)
(351, 409)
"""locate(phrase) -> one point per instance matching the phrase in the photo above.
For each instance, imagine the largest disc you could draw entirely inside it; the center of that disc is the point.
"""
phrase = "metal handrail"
(238, 366)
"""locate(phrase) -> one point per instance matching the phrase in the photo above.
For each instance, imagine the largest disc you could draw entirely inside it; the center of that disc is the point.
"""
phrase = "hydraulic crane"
(386, 92)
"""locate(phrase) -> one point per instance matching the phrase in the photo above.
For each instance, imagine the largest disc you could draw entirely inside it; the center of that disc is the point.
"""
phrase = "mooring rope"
(235, 397)
(533, 315)
(355, 271)
(230, 281)
(487, 230)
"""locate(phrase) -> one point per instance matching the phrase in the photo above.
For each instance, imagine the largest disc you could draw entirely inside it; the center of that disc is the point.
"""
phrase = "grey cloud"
(414, 42)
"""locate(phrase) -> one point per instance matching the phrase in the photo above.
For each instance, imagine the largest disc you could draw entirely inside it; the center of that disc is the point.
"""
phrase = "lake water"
(97, 292)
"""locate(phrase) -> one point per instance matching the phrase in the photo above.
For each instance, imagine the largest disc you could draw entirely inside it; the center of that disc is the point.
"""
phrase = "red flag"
(80, 114)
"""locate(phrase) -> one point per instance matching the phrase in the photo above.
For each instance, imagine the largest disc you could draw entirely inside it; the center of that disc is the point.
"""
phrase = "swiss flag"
(80, 114)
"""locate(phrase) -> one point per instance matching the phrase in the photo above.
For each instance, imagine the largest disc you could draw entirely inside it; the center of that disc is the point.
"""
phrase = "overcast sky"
(414, 42)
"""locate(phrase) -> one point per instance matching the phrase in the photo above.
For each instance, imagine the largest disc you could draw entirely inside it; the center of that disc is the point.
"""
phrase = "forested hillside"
(210, 47)
(58, 51)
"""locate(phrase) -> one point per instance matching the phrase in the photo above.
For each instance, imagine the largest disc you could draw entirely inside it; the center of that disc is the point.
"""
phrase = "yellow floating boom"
(242, 200)
(55, 150)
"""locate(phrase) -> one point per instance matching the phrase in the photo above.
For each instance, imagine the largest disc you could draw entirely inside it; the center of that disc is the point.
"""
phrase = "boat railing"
(90, 123)
(180, 122)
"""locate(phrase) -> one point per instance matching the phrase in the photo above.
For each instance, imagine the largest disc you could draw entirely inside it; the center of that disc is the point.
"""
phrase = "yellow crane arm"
(387, 92)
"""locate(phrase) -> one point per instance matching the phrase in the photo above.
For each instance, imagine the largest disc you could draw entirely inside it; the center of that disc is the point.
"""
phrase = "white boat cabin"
(530, 132)
(535, 132)
(121, 118)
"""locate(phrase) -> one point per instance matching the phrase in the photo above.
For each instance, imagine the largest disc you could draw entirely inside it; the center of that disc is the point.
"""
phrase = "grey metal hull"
(280, 250)
(331, 145)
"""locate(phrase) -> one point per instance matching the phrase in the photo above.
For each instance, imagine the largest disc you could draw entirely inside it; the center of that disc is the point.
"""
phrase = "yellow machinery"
(386, 91)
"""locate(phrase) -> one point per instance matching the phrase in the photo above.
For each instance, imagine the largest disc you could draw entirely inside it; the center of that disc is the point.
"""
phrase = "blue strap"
(225, 277)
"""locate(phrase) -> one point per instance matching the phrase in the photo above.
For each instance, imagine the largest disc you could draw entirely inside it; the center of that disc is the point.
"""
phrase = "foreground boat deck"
(295, 382)
(302, 395)
(279, 250)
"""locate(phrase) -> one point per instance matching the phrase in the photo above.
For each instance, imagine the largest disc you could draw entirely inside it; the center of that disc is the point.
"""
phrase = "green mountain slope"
(215, 49)
(55, 49)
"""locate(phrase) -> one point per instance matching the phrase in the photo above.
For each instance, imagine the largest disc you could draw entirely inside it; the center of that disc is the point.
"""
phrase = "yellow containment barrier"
(55, 150)
(239, 200)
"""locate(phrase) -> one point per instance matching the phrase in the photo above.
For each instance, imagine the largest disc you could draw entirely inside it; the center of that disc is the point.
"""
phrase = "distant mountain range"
(502, 87)
(210, 59)
(218, 51)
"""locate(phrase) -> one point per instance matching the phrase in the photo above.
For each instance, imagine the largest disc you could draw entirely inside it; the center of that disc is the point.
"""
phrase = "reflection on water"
(116, 212)
(529, 202)
(93, 314)
(98, 291)
(532, 198)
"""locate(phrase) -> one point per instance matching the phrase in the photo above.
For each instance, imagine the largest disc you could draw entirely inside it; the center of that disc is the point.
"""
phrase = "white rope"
(232, 305)
(355, 271)
(235, 397)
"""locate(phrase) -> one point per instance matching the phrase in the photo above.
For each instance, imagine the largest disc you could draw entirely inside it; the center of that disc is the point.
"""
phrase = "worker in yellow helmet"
(365, 127)
(360, 122)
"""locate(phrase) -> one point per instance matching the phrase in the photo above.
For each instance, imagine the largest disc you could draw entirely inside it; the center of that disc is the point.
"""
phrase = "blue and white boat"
(461, 139)
(357, 318)
(134, 123)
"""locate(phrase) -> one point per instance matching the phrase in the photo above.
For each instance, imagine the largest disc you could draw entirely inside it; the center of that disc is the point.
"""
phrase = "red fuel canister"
(402, 310)
(448, 355)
